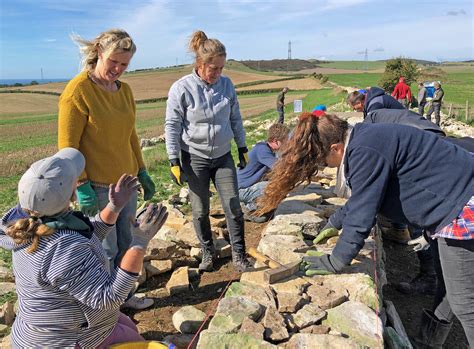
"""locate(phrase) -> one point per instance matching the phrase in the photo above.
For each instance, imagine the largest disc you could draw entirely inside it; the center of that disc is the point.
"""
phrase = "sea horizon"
(28, 81)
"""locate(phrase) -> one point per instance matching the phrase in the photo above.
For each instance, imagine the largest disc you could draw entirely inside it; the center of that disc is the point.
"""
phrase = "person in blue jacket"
(372, 99)
(406, 174)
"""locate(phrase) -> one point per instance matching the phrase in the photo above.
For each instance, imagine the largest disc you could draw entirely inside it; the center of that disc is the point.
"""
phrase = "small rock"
(6, 287)
(188, 319)
(157, 267)
(317, 341)
(160, 249)
(308, 315)
(178, 282)
(252, 328)
(316, 329)
(275, 329)
(7, 313)
(325, 297)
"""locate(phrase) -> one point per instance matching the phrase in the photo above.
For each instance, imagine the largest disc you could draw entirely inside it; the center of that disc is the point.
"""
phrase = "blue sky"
(35, 34)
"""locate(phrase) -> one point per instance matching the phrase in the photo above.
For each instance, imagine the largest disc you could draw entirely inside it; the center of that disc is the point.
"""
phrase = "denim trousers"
(251, 194)
(454, 264)
(221, 171)
(119, 238)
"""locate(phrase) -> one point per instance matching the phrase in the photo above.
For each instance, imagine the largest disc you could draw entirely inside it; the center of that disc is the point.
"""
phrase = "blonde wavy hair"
(109, 42)
(29, 230)
(205, 49)
(301, 155)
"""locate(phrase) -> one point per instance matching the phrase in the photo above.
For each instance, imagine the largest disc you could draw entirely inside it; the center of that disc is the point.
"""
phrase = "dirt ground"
(401, 265)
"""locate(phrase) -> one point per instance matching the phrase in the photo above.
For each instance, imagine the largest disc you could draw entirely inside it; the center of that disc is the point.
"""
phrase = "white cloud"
(338, 4)
(50, 40)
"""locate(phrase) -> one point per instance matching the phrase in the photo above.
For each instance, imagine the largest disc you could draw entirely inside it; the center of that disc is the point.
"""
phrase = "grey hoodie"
(202, 118)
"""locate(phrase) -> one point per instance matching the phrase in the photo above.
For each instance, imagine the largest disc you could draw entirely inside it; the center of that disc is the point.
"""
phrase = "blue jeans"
(119, 238)
(221, 171)
(250, 195)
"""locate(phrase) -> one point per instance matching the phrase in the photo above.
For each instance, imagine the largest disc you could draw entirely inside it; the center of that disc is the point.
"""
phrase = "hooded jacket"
(377, 99)
(402, 90)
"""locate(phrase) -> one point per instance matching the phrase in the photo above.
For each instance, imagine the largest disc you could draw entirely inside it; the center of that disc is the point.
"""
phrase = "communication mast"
(366, 60)
(289, 57)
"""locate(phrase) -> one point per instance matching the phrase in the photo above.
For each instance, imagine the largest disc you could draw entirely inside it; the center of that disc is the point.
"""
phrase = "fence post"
(450, 110)
(467, 111)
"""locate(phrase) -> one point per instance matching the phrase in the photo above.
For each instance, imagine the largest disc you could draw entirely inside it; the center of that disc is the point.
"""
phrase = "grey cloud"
(456, 13)
(379, 49)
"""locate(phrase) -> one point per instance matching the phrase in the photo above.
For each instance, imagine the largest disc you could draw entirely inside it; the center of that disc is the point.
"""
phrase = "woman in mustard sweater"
(97, 117)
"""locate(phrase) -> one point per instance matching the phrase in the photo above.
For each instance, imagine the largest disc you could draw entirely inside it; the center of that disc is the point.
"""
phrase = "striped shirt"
(66, 293)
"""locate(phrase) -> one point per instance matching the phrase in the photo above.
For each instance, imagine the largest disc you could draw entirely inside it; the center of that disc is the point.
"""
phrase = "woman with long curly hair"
(406, 174)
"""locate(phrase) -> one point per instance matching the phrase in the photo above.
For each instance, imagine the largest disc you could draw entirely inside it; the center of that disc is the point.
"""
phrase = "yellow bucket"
(142, 345)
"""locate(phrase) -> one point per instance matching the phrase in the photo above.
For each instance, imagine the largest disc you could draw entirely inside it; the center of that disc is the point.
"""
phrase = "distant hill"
(281, 64)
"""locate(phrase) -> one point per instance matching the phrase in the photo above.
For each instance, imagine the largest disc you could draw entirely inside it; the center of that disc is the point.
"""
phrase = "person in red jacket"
(402, 92)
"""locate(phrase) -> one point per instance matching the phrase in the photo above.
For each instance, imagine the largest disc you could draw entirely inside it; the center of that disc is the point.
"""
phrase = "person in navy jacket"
(406, 174)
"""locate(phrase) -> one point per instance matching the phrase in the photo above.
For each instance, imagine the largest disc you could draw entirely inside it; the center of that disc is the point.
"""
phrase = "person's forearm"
(132, 261)
(108, 216)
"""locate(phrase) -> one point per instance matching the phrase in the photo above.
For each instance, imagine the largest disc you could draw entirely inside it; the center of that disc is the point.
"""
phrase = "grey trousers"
(221, 171)
(421, 108)
(455, 294)
(436, 108)
(281, 115)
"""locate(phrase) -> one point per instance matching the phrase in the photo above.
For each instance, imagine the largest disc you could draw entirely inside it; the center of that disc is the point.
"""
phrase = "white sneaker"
(138, 303)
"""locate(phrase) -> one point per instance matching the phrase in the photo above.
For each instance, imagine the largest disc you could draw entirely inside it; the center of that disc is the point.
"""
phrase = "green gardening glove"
(147, 184)
(87, 199)
(325, 234)
(319, 263)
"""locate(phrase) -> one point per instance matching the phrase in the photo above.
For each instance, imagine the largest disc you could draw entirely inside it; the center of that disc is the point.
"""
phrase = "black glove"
(322, 264)
(243, 157)
(176, 172)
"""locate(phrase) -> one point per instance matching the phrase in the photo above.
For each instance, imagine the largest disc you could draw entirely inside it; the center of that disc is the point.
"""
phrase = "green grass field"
(356, 80)
(359, 65)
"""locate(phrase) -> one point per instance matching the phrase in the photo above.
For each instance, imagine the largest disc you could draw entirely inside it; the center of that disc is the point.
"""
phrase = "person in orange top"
(97, 116)
(402, 92)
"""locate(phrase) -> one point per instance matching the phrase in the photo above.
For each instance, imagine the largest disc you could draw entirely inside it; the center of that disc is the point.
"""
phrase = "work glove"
(147, 184)
(176, 171)
(149, 220)
(325, 233)
(120, 193)
(319, 263)
(87, 199)
(243, 157)
(421, 243)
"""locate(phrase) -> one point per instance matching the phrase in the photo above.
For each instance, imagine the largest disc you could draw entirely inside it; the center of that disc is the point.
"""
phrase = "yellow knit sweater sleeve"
(101, 125)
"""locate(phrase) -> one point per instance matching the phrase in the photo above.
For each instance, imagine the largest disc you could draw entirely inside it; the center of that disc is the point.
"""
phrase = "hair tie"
(318, 113)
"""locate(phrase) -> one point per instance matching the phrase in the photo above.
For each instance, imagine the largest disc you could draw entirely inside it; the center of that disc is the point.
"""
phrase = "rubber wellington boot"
(432, 333)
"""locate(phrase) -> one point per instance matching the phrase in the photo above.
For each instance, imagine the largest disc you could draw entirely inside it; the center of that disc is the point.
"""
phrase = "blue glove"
(147, 184)
(87, 199)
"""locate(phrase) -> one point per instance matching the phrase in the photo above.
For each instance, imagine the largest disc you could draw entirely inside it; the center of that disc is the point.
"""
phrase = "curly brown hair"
(303, 153)
(277, 132)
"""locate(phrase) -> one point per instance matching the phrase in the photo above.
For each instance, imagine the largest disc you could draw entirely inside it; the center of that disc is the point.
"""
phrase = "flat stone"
(289, 303)
(358, 321)
(174, 221)
(252, 328)
(188, 319)
(209, 339)
(178, 282)
(3, 330)
(261, 295)
(330, 171)
(6, 343)
(396, 322)
(254, 277)
(361, 287)
(218, 222)
(309, 198)
(316, 329)
(326, 298)
(281, 227)
(294, 206)
(223, 248)
(336, 201)
(318, 341)
(231, 312)
(293, 285)
(326, 210)
(275, 329)
(309, 224)
(281, 248)
(309, 315)
(159, 249)
(187, 235)
(157, 267)
(142, 276)
(393, 340)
